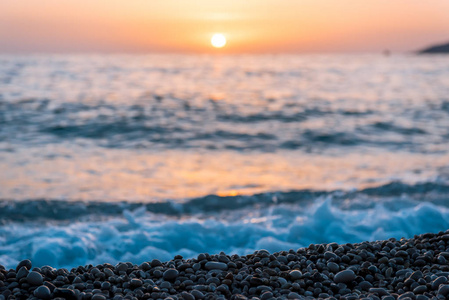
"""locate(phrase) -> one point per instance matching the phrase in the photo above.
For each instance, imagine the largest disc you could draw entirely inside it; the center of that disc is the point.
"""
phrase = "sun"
(218, 40)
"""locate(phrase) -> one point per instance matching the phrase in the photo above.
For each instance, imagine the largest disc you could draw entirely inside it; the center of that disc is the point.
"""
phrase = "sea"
(129, 158)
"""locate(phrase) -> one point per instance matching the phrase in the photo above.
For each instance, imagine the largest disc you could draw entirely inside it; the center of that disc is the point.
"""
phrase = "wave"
(177, 124)
(47, 209)
(77, 233)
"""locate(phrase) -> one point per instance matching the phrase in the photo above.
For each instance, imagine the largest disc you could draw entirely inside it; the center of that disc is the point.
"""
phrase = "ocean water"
(134, 157)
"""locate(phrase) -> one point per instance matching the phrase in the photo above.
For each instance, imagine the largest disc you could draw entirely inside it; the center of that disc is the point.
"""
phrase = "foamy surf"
(68, 234)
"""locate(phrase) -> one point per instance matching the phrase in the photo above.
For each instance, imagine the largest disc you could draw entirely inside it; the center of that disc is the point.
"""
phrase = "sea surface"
(108, 158)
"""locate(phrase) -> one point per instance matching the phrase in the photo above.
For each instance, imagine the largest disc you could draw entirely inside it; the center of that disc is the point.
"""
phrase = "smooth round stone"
(443, 290)
(212, 265)
(266, 295)
(379, 291)
(333, 267)
(145, 266)
(345, 276)
(416, 275)
(42, 292)
(23, 272)
(156, 263)
(420, 289)
(34, 278)
(295, 274)
(187, 296)
(197, 294)
(436, 283)
(293, 295)
(365, 285)
(329, 255)
(98, 297)
(121, 267)
(170, 274)
(135, 283)
(64, 293)
(24, 263)
(106, 285)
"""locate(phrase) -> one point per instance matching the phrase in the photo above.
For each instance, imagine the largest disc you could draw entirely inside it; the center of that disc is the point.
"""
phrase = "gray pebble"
(121, 267)
(293, 295)
(135, 283)
(211, 265)
(42, 292)
(379, 291)
(170, 274)
(197, 294)
(333, 267)
(24, 263)
(295, 274)
(421, 289)
(444, 290)
(156, 263)
(187, 296)
(98, 297)
(436, 283)
(344, 276)
(34, 278)
(365, 285)
(23, 272)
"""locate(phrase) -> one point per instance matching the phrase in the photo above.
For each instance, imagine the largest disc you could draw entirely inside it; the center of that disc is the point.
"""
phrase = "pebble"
(443, 290)
(197, 294)
(212, 265)
(24, 263)
(135, 283)
(293, 295)
(98, 297)
(344, 276)
(23, 272)
(65, 293)
(170, 274)
(34, 278)
(440, 280)
(333, 267)
(42, 292)
(295, 274)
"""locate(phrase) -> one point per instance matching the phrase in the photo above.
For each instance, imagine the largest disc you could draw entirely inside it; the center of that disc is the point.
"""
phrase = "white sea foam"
(138, 236)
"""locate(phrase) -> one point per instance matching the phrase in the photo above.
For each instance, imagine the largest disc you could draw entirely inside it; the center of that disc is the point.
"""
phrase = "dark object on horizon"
(437, 49)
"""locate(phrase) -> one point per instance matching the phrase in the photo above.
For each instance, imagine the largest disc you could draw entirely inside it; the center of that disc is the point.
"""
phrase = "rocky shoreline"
(414, 268)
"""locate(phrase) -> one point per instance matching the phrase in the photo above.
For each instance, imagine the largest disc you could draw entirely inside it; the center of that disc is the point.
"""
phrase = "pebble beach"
(414, 268)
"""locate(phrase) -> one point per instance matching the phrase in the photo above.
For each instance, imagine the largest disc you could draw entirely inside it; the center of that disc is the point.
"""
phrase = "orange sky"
(251, 26)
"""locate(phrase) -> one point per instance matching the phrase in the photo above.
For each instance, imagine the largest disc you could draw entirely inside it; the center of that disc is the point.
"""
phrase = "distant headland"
(436, 49)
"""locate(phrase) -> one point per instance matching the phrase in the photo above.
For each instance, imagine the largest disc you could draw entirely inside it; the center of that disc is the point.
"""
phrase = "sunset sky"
(250, 26)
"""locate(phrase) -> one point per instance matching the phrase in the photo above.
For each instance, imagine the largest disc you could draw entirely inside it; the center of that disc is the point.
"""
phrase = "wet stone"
(295, 274)
(440, 280)
(23, 272)
(211, 265)
(42, 292)
(345, 276)
(34, 278)
(24, 263)
(170, 274)
(65, 293)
